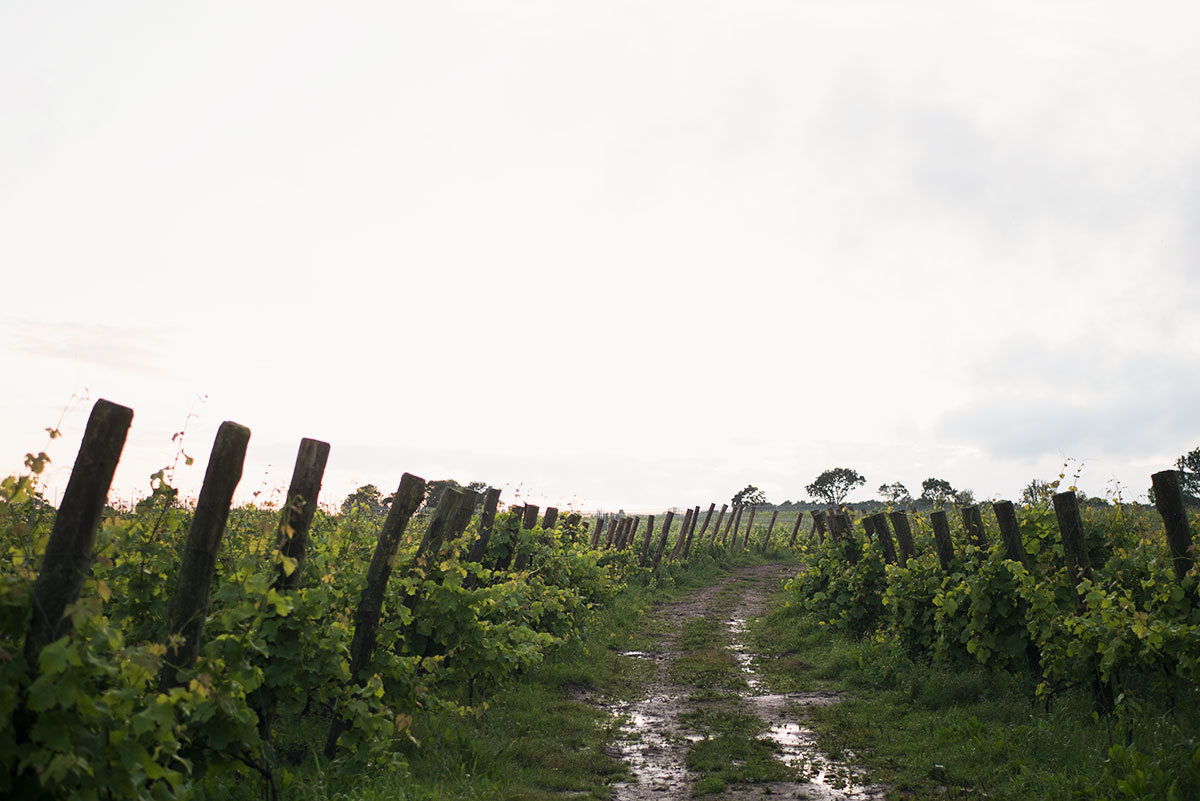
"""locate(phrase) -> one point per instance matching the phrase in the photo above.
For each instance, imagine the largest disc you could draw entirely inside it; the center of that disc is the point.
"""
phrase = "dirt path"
(706, 724)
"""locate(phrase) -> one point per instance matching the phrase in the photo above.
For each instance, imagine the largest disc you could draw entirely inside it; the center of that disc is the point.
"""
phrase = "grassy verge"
(535, 738)
(933, 731)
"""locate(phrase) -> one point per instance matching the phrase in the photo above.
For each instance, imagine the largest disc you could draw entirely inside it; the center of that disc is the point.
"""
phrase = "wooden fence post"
(1079, 567)
(678, 547)
(973, 525)
(707, 519)
(770, 528)
(528, 522)
(796, 528)
(596, 531)
(712, 543)
(903, 536)
(1168, 498)
(687, 545)
(662, 542)
(646, 542)
(298, 511)
(1070, 529)
(941, 539)
(550, 518)
(632, 538)
(189, 602)
(819, 524)
(408, 497)
(1010, 532)
(487, 520)
(735, 520)
(878, 523)
(749, 525)
(68, 556)
(841, 528)
(611, 534)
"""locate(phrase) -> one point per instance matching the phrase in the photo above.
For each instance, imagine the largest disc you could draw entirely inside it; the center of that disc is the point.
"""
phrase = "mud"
(654, 744)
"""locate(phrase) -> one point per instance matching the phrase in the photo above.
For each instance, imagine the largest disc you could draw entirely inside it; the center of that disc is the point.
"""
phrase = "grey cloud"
(142, 350)
(1032, 399)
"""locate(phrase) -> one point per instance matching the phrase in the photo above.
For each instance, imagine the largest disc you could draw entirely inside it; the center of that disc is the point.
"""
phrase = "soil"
(655, 744)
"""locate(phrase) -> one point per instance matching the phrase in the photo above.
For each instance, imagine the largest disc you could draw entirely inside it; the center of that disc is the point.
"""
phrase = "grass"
(934, 731)
(538, 738)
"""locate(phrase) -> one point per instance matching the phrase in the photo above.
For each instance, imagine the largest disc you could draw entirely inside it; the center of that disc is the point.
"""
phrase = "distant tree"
(894, 493)
(834, 484)
(1038, 492)
(434, 490)
(1189, 472)
(367, 497)
(749, 495)
(965, 497)
(936, 490)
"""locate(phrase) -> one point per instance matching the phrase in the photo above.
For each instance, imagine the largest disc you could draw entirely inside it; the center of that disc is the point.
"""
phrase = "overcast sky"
(608, 254)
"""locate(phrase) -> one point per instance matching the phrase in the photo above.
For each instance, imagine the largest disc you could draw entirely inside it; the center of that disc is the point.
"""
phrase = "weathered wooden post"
(749, 525)
(611, 535)
(687, 545)
(712, 543)
(596, 532)
(941, 539)
(291, 540)
(662, 542)
(973, 525)
(678, 547)
(770, 528)
(796, 528)
(1010, 532)
(879, 527)
(298, 511)
(1168, 498)
(735, 519)
(408, 497)
(1079, 567)
(439, 528)
(1070, 529)
(904, 536)
(487, 521)
(840, 528)
(646, 541)
(632, 538)
(189, 603)
(528, 523)
(68, 556)
(707, 519)
(573, 521)
(819, 524)
(550, 518)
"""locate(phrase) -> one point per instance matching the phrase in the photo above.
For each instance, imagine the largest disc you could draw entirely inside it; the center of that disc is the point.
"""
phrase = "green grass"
(934, 731)
(536, 738)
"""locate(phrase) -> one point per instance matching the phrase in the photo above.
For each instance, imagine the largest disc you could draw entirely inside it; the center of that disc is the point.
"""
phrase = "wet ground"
(656, 730)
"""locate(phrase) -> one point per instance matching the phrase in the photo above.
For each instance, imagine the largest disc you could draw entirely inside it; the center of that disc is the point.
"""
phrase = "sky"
(606, 254)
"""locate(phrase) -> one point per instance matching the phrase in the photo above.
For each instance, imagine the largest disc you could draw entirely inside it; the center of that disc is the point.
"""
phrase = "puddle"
(654, 745)
(651, 748)
(828, 780)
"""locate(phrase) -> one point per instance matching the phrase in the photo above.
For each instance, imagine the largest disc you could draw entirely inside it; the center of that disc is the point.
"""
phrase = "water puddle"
(828, 780)
(650, 745)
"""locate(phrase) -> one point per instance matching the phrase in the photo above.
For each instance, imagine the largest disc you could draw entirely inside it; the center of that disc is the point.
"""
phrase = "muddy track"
(659, 730)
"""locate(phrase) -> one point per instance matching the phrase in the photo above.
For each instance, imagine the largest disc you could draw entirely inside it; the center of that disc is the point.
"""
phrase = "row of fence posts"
(69, 550)
(1168, 499)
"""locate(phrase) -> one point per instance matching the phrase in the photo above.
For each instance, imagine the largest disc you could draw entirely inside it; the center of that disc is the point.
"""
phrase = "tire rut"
(655, 739)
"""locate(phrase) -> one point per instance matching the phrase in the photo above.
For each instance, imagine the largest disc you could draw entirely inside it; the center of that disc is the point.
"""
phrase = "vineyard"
(156, 652)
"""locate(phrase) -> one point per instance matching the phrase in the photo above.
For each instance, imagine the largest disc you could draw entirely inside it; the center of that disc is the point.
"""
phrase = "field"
(458, 649)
